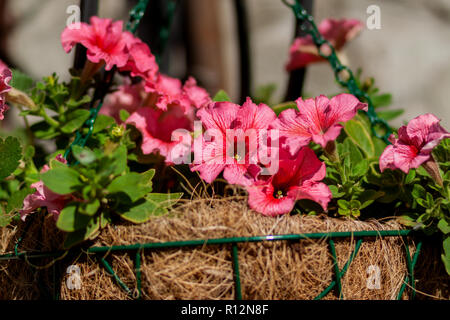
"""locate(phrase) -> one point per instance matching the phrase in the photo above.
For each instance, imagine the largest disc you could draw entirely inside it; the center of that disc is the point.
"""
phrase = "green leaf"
(77, 103)
(76, 119)
(407, 221)
(124, 115)
(421, 171)
(42, 130)
(84, 155)
(284, 106)
(57, 164)
(10, 155)
(221, 96)
(70, 220)
(133, 184)
(390, 114)
(352, 154)
(360, 135)
(380, 146)
(15, 201)
(91, 208)
(61, 180)
(444, 226)
(343, 204)
(335, 192)
(102, 123)
(147, 178)
(142, 212)
(265, 93)
(355, 204)
(446, 255)
(423, 218)
(418, 192)
(410, 176)
(21, 81)
(382, 100)
(370, 195)
(77, 237)
(118, 165)
(165, 200)
(155, 205)
(360, 169)
(366, 204)
(422, 203)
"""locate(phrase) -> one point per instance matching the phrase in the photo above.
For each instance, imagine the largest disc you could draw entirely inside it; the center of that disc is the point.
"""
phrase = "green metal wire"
(237, 276)
(234, 241)
(138, 273)
(337, 272)
(221, 241)
(136, 15)
(309, 26)
(115, 276)
(410, 275)
(342, 272)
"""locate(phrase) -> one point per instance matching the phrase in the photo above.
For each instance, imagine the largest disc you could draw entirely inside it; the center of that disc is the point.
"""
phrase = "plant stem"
(52, 122)
(27, 126)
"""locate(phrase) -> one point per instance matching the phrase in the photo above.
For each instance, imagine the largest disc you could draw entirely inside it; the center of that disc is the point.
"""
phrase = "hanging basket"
(227, 260)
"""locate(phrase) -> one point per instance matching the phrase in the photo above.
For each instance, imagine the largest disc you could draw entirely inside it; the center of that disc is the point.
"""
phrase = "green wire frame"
(101, 253)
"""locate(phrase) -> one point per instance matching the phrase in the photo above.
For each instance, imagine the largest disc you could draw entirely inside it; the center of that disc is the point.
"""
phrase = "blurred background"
(408, 57)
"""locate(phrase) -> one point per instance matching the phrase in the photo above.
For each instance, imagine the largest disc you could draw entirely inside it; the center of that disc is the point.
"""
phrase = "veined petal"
(262, 200)
(252, 116)
(387, 159)
(219, 115)
(315, 191)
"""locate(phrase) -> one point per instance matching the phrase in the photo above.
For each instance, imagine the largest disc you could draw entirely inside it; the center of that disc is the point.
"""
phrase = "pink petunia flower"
(338, 32)
(198, 96)
(127, 97)
(317, 120)
(157, 128)
(5, 78)
(414, 144)
(141, 61)
(167, 90)
(298, 178)
(44, 197)
(104, 39)
(237, 139)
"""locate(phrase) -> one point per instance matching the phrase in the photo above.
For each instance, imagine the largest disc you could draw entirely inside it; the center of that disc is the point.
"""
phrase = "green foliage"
(62, 180)
(50, 97)
(103, 188)
(264, 94)
(21, 81)
(222, 96)
(10, 155)
(153, 205)
(360, 136)
(425, 203)
(284, 106)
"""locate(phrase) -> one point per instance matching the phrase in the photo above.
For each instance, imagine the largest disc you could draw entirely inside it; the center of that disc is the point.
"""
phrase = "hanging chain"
(136, 15)
(348, 80)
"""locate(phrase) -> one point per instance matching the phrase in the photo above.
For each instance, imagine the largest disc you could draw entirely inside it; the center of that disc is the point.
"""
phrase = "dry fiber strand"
(269, 270)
